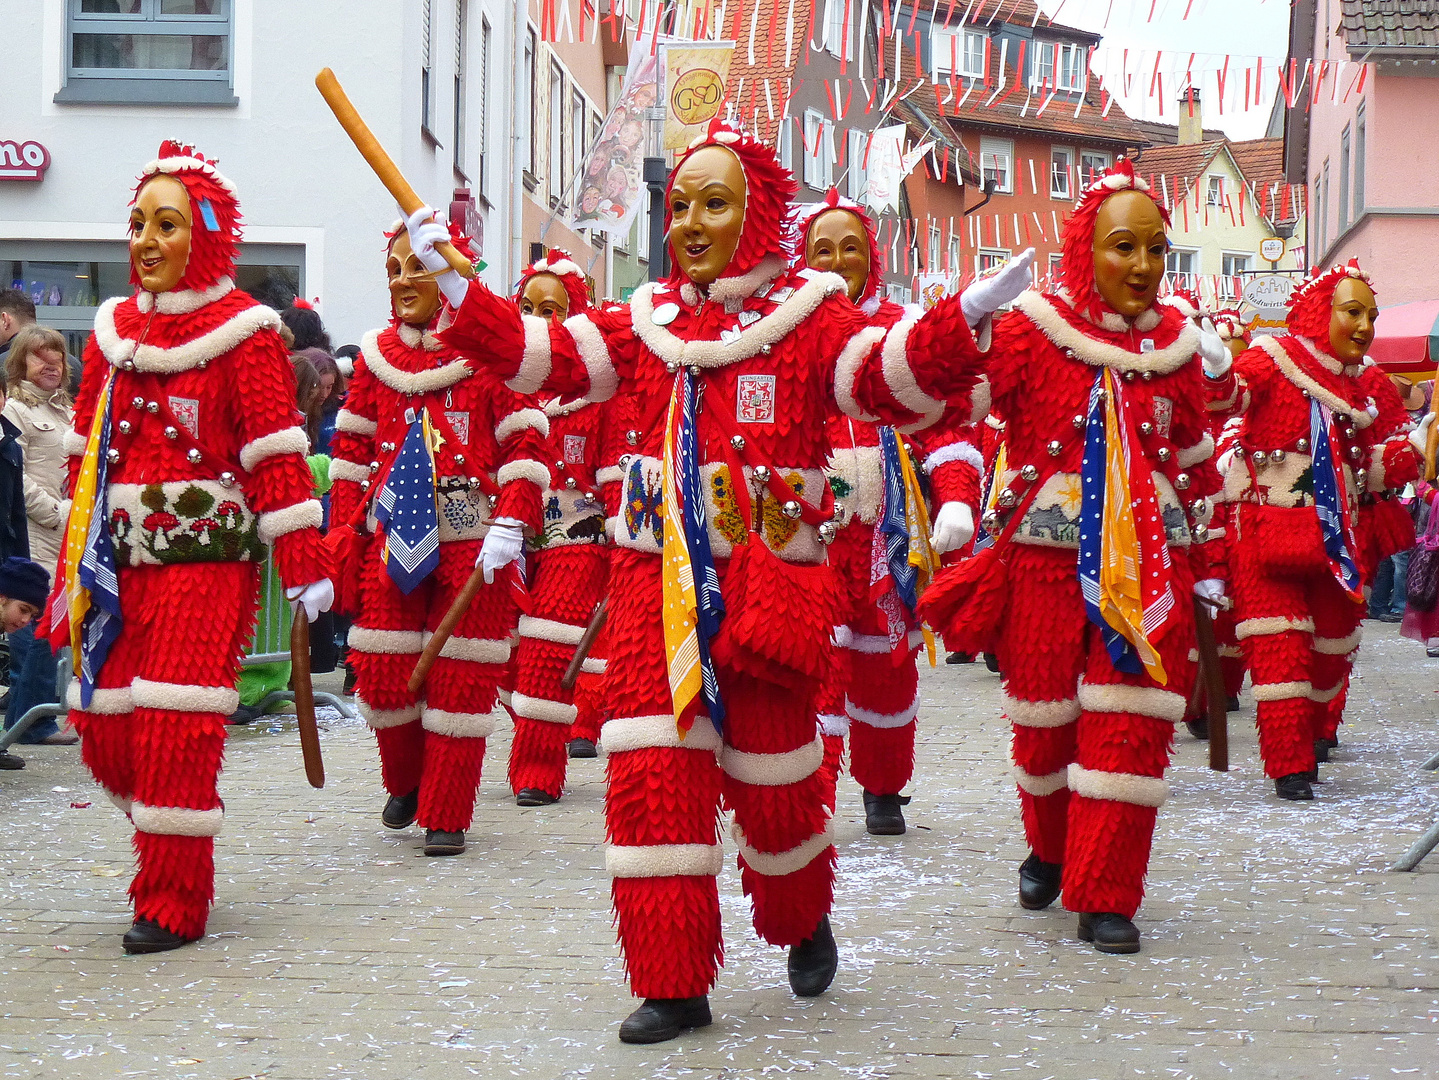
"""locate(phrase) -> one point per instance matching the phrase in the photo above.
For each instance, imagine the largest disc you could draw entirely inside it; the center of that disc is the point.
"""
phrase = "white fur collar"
(123, 352)
(182, 301)
(409, 382)
(1042, 312)
(417, 338)
(1331, 364)
(766, 332)
(555, 408)
(732, 292)
(1179, 304)
(1358, 415)
(1112, 321)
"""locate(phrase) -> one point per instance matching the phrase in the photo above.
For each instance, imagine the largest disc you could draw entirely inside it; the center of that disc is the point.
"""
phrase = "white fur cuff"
(1277, 624)
(386, 642)
(888, 721)
(302, 515)
(551, 712)
(783, 863)
(595, 355)
(1281, 691)
(291, 440)
(179, 697)
(474, 650)
(1041, 714)
(560, 633)
(1118, 787)
(535, 362)
(535, 472)
(354, 423)
(846, 371)
(1040, 786)
(387, 718)
(1324, 697)
(112, 702)
(459, 725)
(1141, 700)
(176, 820)
(899, 376)
(352, 471)
(773, 770)
(955, 451)
(1342, 646)
(1190, 456)
(832, 724)
(644, 732)
(664, 860)
(610, 474)
(518, 421)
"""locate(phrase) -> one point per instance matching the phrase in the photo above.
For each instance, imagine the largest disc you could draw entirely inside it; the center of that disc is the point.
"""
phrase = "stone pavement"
(1276, 943)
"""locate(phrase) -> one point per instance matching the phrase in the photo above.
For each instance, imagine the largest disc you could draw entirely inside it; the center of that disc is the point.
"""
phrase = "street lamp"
(656, 174)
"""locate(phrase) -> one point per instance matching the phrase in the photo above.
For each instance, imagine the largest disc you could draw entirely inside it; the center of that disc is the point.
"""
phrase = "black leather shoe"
(10, 761)
(444, 843)
(534, 797)
(992, 662)
(1038, 883)
(959, 658)
(400, 810)
(662, 1019)
(1231, 703)
(583, 748)
(1109, 932)
(813, 962)
(1294, 787)
(147, 936)
(1321, 751)
(1198, 728)
(882, 814)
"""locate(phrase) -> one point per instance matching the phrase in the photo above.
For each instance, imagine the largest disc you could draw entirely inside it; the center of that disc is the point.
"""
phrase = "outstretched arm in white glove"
(426, 229)
(1419, 437)
(988, 295)
(1213, 351)
(315, 597)
(953, 528)
(504, 544)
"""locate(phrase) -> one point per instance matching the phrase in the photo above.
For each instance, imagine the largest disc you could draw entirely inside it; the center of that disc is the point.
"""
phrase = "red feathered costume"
(490, 464)
(205, 467)
(1298, 626)
(1091, 743)
(772, 351)
(569, 571)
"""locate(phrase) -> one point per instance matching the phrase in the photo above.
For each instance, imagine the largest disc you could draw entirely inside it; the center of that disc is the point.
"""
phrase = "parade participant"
(1304, 444)
(455, 464)
(186, 463)
(720, 607)
(569, 568)
(872, 691)
(1107, 454)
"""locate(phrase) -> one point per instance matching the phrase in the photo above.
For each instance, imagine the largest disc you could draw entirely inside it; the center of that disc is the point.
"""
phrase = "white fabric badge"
(665, 314)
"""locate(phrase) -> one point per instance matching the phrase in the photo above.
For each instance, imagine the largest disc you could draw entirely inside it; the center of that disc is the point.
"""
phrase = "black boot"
(959, 658)
(1038, 883)
(1199, 727)
(1110, 933)
(882, 814)
(147, 936)
(1231, 703)
(444, 843)
(10, 761)
(813, 962)
(1294, 787)
(400, 810)
(1321, 751)
(582, 748)
(992, 662)
(534, 797)
(662, 1019)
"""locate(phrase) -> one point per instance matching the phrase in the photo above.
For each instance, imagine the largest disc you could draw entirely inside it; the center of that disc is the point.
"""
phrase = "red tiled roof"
(1390, 24)
(1260, 163)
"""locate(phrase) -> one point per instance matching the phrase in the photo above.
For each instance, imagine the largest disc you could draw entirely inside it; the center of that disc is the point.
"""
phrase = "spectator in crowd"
(17, 311)
(332, 385)
(24, 587)
(39, 407)
(305, 323)
(1388, 595)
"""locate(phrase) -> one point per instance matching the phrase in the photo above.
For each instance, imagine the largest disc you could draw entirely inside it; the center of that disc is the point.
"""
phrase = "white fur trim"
(285, 441)
(1040, 786)
(832, 724)
(773, 770)
(595, 355)
(386, 642)
(551, 712)
(592, 665)
(417, 337)
(783, 863)
(187, 164)
(1275, 624)
(1281, 691)
(884, 721)
(183, 301)
(1118, 787)
(535, 472)
(114, 701)
(899, 376)
(74, 443)
(769, 330)
(409, 382)
(518, 421)
(458, 725)
(302, 515)
(730, 291)
(663, 860)
(201, 350)
(870, 644)
(354, 424)
(387, 718)
(1040, 714)
(1323, 697)
(183, 697)
(1179, 304)
(1358, 415)
(846, 371)
(1341, 646)
(610, 474)
(474, 650)
(1142, 700)
(643, 732)
(1190, 456)
(176, 820)
(955, 451)
(535, 361)
(121, 803)
(351, 471)
(561, 633)
(1041, 311)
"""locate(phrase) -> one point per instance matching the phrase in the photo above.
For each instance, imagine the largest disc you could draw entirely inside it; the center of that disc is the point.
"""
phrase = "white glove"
(504, 544)
(315, 597)
(1211, 589)
(953, 528)
(1214, 352)
(988, 295)
(426, 229)
(1419, 437)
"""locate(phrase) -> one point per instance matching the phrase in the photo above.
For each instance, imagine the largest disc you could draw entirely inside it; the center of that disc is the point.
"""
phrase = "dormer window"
(1058, 65)
(957, 52)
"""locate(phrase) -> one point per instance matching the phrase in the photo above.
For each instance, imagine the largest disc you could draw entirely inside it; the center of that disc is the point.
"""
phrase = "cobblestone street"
(1276, 941)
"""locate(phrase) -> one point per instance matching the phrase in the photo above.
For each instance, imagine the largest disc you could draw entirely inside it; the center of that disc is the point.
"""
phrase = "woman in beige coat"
(39, 406)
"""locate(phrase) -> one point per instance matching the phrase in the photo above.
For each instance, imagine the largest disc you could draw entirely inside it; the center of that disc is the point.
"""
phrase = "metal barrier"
(1426, 843)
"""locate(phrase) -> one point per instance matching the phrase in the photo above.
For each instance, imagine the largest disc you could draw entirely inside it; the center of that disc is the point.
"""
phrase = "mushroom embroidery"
(159, 524)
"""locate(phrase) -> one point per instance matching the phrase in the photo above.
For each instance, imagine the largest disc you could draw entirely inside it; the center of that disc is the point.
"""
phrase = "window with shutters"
(555, 167)
(482, 125)
(839, 29)
(858, 176)
(1092, 165)
(818, 151)
(1061, 172)
(957, 52)
(462, 45)
(427, 73)
(996, 157)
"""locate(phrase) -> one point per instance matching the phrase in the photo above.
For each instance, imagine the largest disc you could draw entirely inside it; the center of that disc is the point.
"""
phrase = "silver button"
(1302, 446)
(125, 427)
(1181, 481)
(1146, 428)
(632, 437)
(112, 455)
(1007, 499)
(570, 483)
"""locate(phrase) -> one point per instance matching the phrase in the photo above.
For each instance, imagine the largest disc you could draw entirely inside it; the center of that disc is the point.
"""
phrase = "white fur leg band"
(1118, 787)
(648, 732)
(1148, 701)
(773, 770)
(176, 697)
(884, 721)
(1040, 786)
(1041, 714)
(176, 820)
(663, 860)
(387, 718)
(551, 712)
(115, 701)
(783, 863)
(458, 725)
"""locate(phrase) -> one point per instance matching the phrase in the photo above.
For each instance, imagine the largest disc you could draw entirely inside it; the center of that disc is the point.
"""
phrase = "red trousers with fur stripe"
(1091, 743)
(184, 626)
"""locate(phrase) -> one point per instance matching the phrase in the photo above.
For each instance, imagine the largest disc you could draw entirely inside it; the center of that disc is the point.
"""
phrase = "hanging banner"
(612, 180)
(695, 73)
(933, 288)
(888, 165)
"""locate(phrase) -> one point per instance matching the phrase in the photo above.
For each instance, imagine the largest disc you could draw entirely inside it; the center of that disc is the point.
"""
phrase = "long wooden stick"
(1213, 676)
(447, 626)
(587, 642)
(305, 698)
(1431, 442)
(385, 168)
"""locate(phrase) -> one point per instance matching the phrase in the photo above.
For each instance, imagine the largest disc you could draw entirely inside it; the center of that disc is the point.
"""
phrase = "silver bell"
(1276, 456)
(112, 455)
(193, 456)
(459, 459)
(1053, 447)
(1354, 453)
(1200, 533)
(1302, 446)
(696, 370)
(1077, 420)
(625, 460)
(632, 437)
(227, 480)
(387, 447)
(374, 466)
(1146, 375)
(737, 441)
(672, 367)
(1199, 505)
(1181, 481)
(128, 365)
(1129, 376)
(764, 349)
(364, 485)
(137, 402)
(1029, 473)
(571, 483)
(791, 510)
(152, 406)
(1348, 432)
(494, 501)
(827, 532)
(1362, 477)
(1258, 457)
(559, 466)
(125, 427)
(761, 474)
(990, 521)
(1146, 428)
(171, 433)
(1164, 453)
(1007, 499)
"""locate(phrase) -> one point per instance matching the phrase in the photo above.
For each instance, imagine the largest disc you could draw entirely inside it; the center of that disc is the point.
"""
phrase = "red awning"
(1406, 338)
